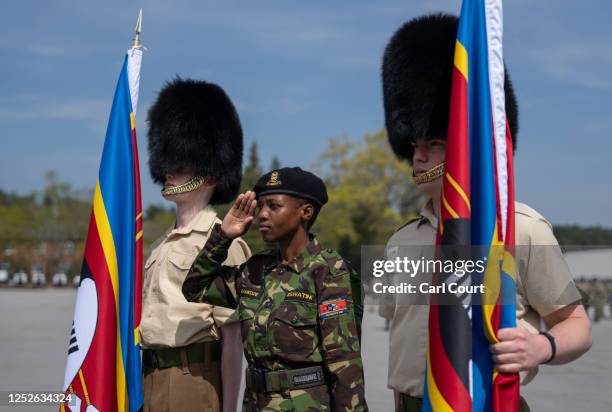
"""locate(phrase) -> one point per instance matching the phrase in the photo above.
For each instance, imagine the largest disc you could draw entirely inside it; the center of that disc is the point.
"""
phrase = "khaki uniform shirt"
(544, 284)
(168, 320)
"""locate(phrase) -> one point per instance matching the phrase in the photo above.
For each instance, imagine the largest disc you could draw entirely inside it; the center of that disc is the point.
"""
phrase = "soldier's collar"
(312, 249)
(428, 215)
(203, 221)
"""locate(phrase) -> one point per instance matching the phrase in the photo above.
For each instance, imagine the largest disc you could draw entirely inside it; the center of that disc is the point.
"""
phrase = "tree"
(44, 229)
(370, 194)
(573, 237)
(252, 171)
(157, 219)
(275, 163)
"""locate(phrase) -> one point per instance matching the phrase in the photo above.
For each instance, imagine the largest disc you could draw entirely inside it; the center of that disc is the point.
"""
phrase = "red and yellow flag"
(477, 209)
(103, 370)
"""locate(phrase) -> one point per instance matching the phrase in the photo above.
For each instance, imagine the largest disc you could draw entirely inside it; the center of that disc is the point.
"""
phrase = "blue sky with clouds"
(299, 73)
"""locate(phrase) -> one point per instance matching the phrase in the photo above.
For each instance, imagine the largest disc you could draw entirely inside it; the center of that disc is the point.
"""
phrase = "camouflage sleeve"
(340, 312)
(208, 279)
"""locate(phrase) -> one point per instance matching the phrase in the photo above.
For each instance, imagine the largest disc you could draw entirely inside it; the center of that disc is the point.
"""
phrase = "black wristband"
(553, 346)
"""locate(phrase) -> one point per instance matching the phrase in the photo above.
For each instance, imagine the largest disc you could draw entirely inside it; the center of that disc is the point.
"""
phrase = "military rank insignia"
(334, 307)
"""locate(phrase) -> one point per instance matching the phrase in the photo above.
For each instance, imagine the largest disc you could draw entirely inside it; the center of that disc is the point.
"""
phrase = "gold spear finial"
(138, 29)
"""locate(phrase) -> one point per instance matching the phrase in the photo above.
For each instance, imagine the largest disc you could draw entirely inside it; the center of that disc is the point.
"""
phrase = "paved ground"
(34, 328)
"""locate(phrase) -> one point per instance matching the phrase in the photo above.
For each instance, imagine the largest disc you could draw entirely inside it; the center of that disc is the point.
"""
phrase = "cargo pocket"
(293, 330)
(311, 399)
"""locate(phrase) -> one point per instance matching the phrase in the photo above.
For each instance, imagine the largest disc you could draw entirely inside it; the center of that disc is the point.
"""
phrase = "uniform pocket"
(293, 332)
(247, 308)
(149, 263)
(179, 266)
(181, 260)
(311, 399)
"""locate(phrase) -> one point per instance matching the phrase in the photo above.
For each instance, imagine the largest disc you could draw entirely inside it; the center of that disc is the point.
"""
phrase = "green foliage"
(576, 237)
(370, 194)
(44, 229)
(275, 163)
(156, 209)
(252, 173)
(157, 219)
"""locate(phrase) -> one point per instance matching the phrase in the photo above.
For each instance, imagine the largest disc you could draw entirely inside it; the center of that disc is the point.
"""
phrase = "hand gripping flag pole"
(477, 209)
(103, 370)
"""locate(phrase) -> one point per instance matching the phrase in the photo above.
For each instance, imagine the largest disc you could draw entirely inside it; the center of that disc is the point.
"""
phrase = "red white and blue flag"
(477, 208)
(103, 370)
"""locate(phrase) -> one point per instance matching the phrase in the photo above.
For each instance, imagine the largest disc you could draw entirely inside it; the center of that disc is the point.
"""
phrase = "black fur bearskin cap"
(193, 126)
(416, 75)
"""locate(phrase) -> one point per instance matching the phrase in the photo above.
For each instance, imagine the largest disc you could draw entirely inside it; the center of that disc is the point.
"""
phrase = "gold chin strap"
(188, 186)
(430, 175)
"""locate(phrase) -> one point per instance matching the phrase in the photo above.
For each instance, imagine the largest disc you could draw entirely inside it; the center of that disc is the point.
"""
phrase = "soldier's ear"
(307, 212)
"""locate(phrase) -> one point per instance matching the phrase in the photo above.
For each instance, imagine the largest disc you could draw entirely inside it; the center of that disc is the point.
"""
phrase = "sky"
(299, 73)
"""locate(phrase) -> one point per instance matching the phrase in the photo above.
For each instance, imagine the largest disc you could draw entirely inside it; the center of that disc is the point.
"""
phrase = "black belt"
(261, 380)
(409, 403)
(205, 352)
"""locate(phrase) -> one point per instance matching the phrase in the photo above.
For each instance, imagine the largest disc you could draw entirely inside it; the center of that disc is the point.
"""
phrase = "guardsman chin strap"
(188, 186)
(430, 175)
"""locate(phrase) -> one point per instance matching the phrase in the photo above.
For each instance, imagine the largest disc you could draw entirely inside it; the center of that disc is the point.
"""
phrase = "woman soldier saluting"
(297, 305)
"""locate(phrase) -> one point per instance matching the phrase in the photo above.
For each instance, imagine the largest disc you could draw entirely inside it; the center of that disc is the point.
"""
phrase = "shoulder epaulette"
(329, 253)
(335, 262)
(416, 219)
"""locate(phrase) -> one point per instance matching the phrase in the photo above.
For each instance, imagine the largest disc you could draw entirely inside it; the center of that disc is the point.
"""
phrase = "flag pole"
(136, 43)
(103, 365)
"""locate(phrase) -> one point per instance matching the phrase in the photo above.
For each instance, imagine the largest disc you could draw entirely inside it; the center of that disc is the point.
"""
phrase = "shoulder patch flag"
(333, 307)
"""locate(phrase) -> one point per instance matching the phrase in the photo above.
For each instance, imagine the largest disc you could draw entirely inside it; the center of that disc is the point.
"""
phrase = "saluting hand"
(238, 219)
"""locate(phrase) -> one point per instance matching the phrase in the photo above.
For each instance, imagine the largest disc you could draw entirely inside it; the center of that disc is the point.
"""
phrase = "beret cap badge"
(274, 179)
(295, 182)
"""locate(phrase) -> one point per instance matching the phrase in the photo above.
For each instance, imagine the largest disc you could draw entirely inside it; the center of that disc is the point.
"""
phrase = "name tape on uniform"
(300, 295)
(250, 292)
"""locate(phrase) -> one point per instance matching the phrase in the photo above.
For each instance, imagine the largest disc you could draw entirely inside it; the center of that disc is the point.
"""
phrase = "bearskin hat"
(416, 75)
(193, 126)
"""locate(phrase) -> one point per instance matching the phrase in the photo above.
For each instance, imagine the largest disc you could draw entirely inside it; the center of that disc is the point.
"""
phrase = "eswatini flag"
(477, 209)
(103, 370)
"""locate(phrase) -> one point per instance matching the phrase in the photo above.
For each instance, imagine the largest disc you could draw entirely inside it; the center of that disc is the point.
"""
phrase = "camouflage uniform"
(293, 315)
